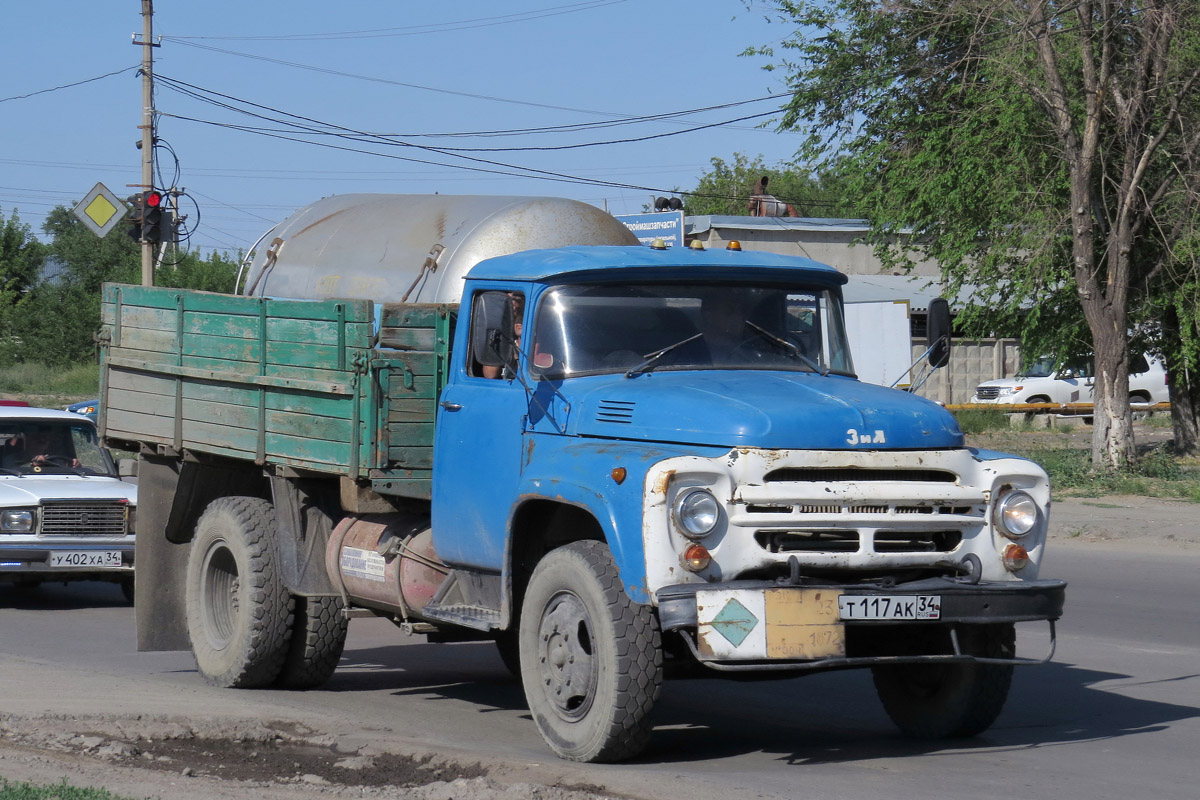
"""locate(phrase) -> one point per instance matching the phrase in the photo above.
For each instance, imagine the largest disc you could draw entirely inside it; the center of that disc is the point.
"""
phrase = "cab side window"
(495, 340)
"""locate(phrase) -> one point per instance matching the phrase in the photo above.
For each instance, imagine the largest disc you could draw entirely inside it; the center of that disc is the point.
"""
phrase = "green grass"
(35, 382)
(1157, 474)
(58, 791)
(982, 420)
(1066, 455)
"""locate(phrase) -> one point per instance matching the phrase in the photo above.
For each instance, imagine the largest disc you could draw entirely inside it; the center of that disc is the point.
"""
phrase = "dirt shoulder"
(219, 759)
(1151, 522)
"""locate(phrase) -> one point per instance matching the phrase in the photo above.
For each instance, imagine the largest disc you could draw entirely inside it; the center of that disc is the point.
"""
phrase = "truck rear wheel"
(950, 700)
(318, 637)
(239, 613)
(591, 660)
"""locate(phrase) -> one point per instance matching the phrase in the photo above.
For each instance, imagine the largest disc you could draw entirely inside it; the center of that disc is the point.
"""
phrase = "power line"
(389, 81)
(235, 208)
(199, 93)
(490, 166)
(529, 172)
(66, 85)
(414, 30)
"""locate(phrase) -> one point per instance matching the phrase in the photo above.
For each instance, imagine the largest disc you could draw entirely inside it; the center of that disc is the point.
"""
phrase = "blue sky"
(397, 68)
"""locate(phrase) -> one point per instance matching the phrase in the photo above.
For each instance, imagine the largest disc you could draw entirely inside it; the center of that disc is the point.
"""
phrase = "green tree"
(21, 259)
(89, 260)
(1038, 149)
(21, 255)
(217, 273)
(58, 318)
(726, 188)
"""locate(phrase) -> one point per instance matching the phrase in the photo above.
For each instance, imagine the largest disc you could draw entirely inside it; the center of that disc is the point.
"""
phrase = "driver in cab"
(39, 447)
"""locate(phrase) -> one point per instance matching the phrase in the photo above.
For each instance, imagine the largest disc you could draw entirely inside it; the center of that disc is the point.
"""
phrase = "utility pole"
(147, 126)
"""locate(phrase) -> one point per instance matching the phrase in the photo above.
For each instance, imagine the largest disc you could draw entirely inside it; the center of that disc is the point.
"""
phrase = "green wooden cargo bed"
(314, 386)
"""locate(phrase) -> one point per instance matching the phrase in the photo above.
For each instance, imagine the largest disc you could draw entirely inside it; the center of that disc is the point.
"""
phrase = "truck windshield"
(40, 446)
(605, 328)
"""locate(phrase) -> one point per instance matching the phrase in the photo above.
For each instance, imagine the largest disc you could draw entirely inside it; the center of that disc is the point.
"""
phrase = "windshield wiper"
(652, 358)
(788, 347)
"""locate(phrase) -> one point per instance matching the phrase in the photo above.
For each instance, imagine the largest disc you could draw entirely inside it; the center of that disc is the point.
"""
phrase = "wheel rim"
(566, 657)
(219, 591)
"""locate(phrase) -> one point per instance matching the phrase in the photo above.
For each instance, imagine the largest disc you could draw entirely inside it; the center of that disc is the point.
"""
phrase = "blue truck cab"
(617, 462)
(768, 509)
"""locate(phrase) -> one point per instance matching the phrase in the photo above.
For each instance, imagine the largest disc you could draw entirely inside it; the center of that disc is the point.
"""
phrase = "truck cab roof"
(610, 263)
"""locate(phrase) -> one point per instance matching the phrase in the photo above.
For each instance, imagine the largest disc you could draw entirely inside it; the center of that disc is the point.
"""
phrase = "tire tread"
(270, 614)
(626, 730)
(318, 638)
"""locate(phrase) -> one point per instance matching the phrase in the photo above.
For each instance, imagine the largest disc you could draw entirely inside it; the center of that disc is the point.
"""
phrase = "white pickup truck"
(64, 513)
(1039, 382)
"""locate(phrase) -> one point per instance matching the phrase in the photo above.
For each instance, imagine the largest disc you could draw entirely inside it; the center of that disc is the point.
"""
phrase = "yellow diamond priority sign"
(100, 210)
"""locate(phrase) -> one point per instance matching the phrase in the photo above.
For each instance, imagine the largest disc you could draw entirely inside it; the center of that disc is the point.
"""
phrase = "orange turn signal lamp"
(696, 557)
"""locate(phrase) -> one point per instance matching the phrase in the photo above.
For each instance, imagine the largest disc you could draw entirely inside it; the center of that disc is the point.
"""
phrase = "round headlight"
(697, 513)
(1016, 514)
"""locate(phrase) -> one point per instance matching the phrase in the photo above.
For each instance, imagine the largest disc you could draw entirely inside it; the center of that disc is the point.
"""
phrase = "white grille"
(68, 518)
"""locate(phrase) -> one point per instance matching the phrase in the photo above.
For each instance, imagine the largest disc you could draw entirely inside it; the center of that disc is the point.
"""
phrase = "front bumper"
(34, 559)
(763, 625)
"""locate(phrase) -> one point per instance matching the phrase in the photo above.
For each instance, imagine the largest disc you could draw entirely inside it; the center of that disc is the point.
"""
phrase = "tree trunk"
(1112, 436)
(1185, 413)
(1183, 384)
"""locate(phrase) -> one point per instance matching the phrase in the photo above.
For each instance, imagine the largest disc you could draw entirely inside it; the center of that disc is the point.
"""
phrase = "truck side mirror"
(937, 326)
(491, 328)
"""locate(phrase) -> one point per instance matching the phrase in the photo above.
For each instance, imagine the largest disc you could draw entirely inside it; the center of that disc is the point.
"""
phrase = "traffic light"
(155, 219)
(136, 211)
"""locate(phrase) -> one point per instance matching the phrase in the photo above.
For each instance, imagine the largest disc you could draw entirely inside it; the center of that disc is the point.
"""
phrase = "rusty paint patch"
(664, 480)
(312, 225)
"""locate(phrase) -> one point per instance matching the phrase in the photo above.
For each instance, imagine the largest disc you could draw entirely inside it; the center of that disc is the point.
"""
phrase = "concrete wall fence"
(971, 362)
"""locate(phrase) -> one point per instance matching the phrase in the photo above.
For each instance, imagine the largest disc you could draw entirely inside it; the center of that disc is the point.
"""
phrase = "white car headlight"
(1016, 514)
(16, 520)
(697, 513)
(1009, 391)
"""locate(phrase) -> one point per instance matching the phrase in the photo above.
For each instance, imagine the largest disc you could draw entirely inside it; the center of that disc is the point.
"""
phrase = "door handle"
(446, 404)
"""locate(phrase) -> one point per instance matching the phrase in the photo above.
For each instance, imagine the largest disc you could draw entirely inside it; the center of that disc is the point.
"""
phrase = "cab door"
(480, 434)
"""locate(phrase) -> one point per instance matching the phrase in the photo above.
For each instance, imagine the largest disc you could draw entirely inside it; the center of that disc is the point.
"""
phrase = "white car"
(1040, 383)
(64, 513)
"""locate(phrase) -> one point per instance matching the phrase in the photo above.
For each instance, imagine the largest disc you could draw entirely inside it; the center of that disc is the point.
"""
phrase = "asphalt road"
(1115, 715)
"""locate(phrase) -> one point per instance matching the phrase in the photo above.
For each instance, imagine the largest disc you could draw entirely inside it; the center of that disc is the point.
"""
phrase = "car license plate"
(102, 559)
(890, 606)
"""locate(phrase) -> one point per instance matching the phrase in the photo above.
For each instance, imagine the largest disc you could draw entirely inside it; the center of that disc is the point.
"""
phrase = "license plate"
(890, 606)
(102, 559)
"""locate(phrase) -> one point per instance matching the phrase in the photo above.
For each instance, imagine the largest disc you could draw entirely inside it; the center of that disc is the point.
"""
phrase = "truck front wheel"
(239, 613)
(944, 700)
(591, 660)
